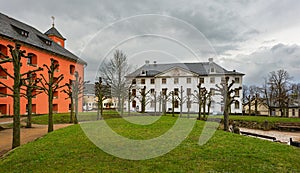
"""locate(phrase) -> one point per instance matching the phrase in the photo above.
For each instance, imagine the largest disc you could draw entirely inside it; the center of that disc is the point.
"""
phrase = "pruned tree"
(77, 91)
(32, 90)
(101, 92)
(16, 55)
(144, 98)
(50, 86)
(114, 72)
(199, 98)
(228, 94)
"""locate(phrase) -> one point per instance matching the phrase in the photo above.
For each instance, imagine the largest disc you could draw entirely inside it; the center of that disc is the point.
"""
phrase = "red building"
(43, 47)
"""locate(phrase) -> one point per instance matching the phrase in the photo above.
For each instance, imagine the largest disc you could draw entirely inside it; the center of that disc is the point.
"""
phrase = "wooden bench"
(258, 135)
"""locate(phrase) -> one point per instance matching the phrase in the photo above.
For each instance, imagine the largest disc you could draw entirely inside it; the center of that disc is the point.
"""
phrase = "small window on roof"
(45, 40)
(20, 31)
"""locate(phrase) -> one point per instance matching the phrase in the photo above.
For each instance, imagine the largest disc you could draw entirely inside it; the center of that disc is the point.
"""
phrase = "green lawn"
(69, 150)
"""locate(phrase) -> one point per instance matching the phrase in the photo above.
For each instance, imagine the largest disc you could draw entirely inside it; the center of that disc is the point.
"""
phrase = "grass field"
(86, 116)
(69, 150)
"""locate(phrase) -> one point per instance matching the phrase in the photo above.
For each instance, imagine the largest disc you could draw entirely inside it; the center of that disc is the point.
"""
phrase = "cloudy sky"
(251, 36)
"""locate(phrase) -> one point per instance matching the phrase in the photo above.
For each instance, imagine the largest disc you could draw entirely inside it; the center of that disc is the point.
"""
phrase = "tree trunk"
(16, 105)
(50, 110)
(16, 124)
(226, 118)
(29, 113)
(72, 111)
(76, 109)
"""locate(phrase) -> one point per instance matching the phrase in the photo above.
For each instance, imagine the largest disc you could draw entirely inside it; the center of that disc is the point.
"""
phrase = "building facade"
(182, 79)
(43, 47)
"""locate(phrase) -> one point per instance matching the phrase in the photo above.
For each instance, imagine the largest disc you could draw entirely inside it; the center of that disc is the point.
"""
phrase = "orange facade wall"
(40, 102)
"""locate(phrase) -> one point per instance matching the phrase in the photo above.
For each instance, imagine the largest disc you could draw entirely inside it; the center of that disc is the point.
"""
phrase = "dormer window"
(20, 31)
(144, 73)
(212, 69)
(45, 40)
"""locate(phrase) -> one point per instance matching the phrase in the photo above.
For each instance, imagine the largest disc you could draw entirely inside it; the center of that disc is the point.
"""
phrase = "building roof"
(89, 89)
(13, 29)
(53, 31)
(201, 69)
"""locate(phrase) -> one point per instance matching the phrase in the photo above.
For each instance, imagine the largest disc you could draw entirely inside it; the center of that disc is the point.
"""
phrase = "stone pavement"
(281, 136)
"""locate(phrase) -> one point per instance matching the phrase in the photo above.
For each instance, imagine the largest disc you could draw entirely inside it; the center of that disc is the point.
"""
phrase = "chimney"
(147, 62)
(154, 63)
(210, 60)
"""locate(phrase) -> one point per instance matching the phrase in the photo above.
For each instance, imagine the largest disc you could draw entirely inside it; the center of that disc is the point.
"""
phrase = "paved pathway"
(281, 136)
(27, 135)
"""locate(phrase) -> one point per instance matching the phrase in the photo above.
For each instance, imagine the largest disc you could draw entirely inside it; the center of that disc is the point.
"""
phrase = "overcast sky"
(252, 37)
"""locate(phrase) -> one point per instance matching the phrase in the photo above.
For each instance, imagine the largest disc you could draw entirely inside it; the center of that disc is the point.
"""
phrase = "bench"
(258, 135)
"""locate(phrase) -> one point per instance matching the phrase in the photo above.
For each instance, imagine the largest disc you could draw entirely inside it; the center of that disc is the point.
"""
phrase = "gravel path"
(281, 136)
(27, 135)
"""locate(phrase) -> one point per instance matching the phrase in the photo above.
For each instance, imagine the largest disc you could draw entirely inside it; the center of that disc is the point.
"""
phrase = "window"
(223, 80)
(212, 69)
(176, 104)
(72, 69)
(56, 64)
(33, 93)
(3, 92)
(3, 49)
(134, 104)
(188, 80)
(176, 91)
(55, 80)
(152, 104)
(152, 90)
(164, 91)
(143, 81)
(237, 80)
(237, 92)
(188, 91)
(164, 80)
(55, 108)
(237, 105)
(32, 59)
(201, 80)
(212, 79)
(152, 81)
(176, 80)
(20, 31)
(55, 95)
(3, 75)
(3, 109)
(133, 92)
(133, 81)
(212, 92)
(293, 112)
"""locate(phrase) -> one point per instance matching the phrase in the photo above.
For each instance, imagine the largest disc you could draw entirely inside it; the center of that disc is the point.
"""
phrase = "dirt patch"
(27, 135)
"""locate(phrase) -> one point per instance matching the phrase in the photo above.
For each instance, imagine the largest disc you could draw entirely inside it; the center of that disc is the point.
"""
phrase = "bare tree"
(16, 55)
(102, 92)
(114, 73)
(276, 90)
(228, 95)
(32, 90)
(50, 86)
(74, 90)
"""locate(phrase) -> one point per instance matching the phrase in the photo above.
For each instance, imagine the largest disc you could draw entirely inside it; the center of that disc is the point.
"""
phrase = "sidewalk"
(279, 135)
(27, 135)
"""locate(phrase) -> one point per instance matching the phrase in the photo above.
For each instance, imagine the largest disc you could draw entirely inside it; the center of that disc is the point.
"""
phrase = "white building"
(182, 78)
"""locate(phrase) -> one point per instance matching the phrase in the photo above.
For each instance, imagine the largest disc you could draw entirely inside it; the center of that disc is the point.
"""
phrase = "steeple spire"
(53, 19)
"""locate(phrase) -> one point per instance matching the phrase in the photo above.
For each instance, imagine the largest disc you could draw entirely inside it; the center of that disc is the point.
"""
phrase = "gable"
(176, 72)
